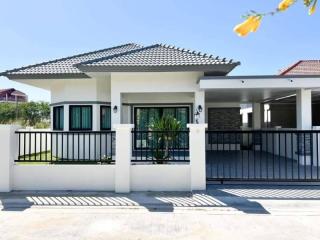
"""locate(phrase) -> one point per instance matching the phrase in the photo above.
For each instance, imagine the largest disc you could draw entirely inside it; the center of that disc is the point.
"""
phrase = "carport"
(259, 154)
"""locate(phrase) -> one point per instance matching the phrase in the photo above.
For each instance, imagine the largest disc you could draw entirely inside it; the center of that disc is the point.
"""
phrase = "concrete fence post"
(123, 157)
(8, 153)
(197, 141)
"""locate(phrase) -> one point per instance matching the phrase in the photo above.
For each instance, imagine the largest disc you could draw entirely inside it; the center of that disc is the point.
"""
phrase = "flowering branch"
(253, 19)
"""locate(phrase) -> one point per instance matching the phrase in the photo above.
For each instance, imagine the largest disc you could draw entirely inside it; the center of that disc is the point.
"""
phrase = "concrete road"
(222, 212)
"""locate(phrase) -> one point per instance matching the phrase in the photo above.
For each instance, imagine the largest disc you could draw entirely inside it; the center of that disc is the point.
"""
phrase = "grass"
(34, 159)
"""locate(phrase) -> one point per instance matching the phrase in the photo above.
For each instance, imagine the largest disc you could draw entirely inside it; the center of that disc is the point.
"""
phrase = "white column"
(96, 117)
(199, 100)
(116, 101)
(66, 117)
(123, 157)
(51, 117)
(304, 109)
(9, 152)
(197, 147)
(256, 115)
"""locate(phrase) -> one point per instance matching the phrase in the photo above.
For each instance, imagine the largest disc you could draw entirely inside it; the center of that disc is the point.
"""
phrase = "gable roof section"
(125, 58)
(159, 57)
(12, 91)
(303, 67)
(64, 67)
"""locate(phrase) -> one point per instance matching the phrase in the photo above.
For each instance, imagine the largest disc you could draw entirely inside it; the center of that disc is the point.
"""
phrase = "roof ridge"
(116, 55)
(66, 58)
(198, 53)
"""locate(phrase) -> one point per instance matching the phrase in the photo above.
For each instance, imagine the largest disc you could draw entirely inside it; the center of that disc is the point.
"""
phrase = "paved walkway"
(221, 212)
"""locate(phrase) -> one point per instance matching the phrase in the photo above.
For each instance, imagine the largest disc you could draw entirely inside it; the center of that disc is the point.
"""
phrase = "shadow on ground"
(240, 197)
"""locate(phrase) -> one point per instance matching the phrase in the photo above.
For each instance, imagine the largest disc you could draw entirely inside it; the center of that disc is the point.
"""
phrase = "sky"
(34, 31)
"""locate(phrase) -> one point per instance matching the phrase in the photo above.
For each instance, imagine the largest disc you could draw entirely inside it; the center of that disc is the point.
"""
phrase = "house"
(12, 95)
(92, 93)
(127, 84)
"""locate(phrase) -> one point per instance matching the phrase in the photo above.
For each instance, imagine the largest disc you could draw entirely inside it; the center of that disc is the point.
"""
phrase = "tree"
(253, 19)
(31, 113)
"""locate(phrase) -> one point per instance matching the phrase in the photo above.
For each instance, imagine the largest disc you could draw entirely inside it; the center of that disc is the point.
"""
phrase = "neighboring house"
(302, 67)
(283, 110)
(12, 95)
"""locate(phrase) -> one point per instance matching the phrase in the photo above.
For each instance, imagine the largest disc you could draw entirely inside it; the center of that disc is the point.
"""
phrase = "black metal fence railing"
(160, 147)
(271, 155)
(58, 147)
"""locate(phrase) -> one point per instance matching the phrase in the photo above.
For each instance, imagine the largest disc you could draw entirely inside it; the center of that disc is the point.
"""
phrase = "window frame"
(161, 107)
(101, 107)
(70, 118)
(55, 111)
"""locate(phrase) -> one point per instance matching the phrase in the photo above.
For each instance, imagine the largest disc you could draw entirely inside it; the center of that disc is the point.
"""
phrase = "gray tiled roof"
(156, 56)
(128, 57)
(66, 66)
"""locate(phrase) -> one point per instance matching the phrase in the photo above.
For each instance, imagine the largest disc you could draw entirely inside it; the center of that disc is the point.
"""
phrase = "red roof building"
(303, 67)
(12, 95)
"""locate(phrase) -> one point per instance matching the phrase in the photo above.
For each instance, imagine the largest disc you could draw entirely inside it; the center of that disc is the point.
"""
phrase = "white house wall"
(160, 88)
(89, 89)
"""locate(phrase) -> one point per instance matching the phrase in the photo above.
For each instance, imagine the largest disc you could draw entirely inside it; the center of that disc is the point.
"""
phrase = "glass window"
(58, 118)
(105, 117)
(80, 117)
(144, 116)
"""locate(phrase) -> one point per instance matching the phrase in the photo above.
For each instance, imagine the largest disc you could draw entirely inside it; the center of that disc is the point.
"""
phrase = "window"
(58, 118)
(105, 117)
(80, 117)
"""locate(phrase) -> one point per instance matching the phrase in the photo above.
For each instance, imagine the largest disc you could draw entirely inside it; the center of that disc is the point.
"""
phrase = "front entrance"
(145, 116)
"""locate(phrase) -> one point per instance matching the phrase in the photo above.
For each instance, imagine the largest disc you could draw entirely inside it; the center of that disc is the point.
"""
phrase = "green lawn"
(34, 159)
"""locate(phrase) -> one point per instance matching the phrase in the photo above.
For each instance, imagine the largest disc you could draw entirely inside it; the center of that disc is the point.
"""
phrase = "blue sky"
(35, 30)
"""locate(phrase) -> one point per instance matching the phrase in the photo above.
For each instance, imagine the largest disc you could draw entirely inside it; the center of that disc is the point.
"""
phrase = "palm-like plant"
(166, 131)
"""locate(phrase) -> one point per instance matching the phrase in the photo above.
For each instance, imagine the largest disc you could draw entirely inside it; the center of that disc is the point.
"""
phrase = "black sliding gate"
(272, 155)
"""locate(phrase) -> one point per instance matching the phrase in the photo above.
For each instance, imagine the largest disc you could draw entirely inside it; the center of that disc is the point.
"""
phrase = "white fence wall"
(123, 176)
(63, 177)
(160, 177)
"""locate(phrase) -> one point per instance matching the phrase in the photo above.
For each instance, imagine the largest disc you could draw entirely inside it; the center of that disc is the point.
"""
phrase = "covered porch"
(244, 140)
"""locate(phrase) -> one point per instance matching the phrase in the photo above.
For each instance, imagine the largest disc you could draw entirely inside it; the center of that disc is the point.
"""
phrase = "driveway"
(221, 212)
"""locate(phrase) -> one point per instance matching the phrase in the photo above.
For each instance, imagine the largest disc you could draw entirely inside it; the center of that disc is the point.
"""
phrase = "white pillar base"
(197, 141)
(123, 157)
(9, 152)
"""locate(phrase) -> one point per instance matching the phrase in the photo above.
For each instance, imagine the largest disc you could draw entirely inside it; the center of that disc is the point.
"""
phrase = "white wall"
(87, 89)
(160, 177)
(63, 177)
(164, 87)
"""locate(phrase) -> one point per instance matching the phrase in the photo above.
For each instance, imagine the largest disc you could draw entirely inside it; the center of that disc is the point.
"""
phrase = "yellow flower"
(312, 9)
(251, 24)
(285, 4)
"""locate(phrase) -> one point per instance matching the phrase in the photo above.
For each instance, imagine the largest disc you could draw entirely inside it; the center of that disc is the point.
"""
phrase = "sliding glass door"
(145, 116)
